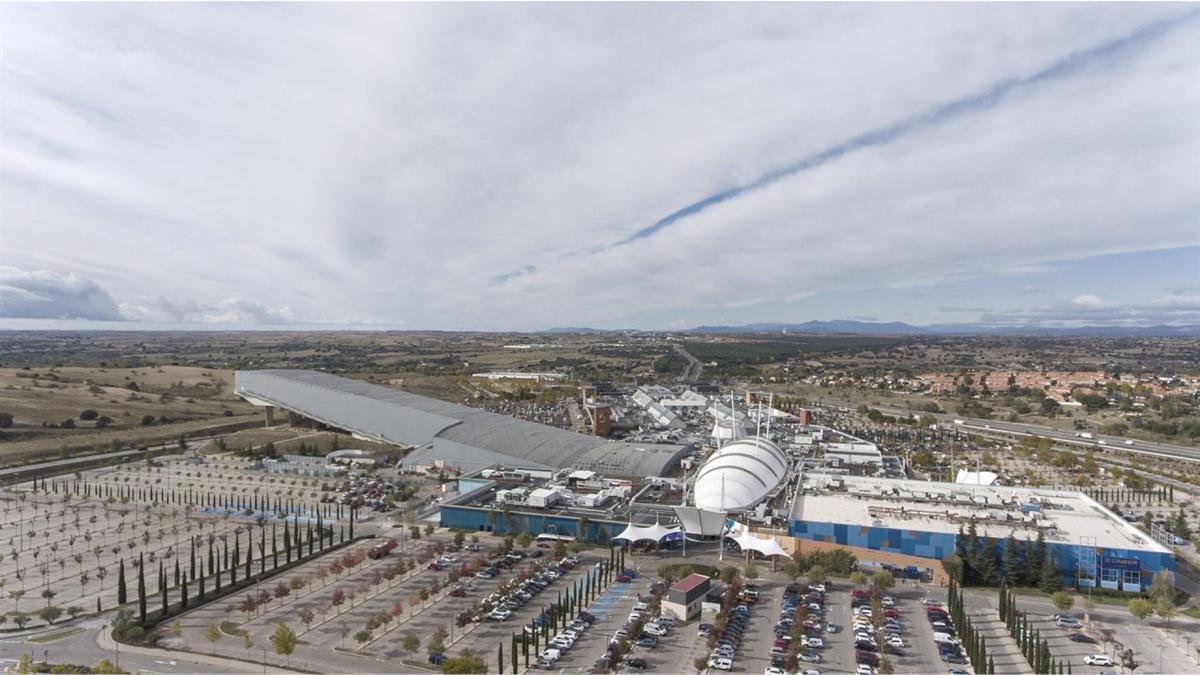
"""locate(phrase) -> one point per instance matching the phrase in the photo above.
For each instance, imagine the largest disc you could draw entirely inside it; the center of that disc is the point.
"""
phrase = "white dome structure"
(740, 475)
(728, 430)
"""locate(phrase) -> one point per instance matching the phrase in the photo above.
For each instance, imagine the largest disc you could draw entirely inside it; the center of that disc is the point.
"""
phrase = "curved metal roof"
(739, 475)
(467, 437)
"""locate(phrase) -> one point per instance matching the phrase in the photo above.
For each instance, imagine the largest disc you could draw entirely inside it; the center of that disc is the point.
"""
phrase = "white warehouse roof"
(739, 475)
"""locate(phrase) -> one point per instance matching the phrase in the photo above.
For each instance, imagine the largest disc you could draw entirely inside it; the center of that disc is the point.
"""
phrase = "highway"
(1065, 436)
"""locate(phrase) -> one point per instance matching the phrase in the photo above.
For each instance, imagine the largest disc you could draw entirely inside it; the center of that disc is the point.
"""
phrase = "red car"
(624, 578)
(458, 593)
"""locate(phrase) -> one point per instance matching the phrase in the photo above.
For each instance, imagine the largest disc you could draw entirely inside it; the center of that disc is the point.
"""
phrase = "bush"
(88, 414)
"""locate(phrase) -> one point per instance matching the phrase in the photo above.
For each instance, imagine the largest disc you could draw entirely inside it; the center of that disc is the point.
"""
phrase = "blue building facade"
(1112, 568)
(477, 519)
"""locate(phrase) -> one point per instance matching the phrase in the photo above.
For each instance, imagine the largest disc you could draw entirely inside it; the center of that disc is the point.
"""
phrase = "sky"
(521, 167)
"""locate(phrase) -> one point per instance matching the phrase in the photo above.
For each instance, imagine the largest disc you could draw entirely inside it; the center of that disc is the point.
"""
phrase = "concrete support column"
(270, 415)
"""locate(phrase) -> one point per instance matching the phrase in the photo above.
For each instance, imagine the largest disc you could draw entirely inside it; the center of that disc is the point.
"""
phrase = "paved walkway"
(1001, 646)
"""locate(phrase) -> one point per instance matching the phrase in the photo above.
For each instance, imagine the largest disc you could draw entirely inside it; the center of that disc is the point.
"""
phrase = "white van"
(945, 638)
(550, 655)
(641, 607)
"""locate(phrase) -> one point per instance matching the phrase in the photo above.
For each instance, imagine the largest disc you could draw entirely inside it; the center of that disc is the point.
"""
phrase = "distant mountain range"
(847, 327)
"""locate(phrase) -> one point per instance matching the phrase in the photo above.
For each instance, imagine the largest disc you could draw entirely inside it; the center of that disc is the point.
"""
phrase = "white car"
(773, 671)
(500, 615)
(864, 669)
(820, 588)
(896, 641)
(721, 664)
(814, 642)
(811, 672)
(1097, 660)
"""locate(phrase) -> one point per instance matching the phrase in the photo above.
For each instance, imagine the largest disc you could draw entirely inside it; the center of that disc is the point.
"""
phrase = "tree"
(1062, 601)
(411, 642)
(6, 420)
(858, 578)
(306, 617)
(883, 581)
(1012, 566)
(50, 613)
(1140, 608)
(284, 641)
(121, 583)
(1049, 580)
(343, 631)
(750, 572)
(791, 570)
(176, 629)
(212, 633)
(1161, 586)
(1180, 527)
(466, 662)
(247, 643)
(88, 415)
(1165, 608)
(817, 574)
(523, 540)
(362, 637)
(106, 667)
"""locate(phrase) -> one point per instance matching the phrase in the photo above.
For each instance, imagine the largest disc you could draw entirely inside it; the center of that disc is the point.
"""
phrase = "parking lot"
(484, 637)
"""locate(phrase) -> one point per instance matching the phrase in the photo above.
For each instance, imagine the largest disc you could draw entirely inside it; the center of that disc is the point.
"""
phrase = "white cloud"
(47, 295)
(381, 163)
(239, 311)
(1172, 309)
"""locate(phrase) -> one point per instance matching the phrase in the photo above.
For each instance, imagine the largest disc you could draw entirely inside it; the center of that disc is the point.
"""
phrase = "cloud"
(1089, 309)
(240, 311)
(43, 294)
(312, 156)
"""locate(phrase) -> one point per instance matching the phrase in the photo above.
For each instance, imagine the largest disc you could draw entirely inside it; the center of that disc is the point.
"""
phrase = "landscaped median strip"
(104, 640)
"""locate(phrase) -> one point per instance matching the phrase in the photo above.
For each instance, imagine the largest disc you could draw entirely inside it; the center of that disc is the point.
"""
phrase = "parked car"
(1097, 660)
(637, 664)
(1080, 637)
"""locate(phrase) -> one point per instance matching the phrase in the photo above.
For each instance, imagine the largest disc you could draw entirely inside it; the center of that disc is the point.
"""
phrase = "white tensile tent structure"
(635, 533)
(750, 542)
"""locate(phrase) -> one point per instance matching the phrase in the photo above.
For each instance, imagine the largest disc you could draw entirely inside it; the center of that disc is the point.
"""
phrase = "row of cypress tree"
(1034, 647)
(254, 502)
(218, 566)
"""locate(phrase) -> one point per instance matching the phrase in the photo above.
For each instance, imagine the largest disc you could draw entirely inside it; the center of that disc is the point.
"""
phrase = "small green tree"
(411, 642)
(858, 578)
(1062, 601)
(284, 641)
(817, 574)
(791, 570)
(362, 637)
(50, 614)
(212, 633)
(883, 581)
(750, 572)
(1140, 608)
(1165, 608)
